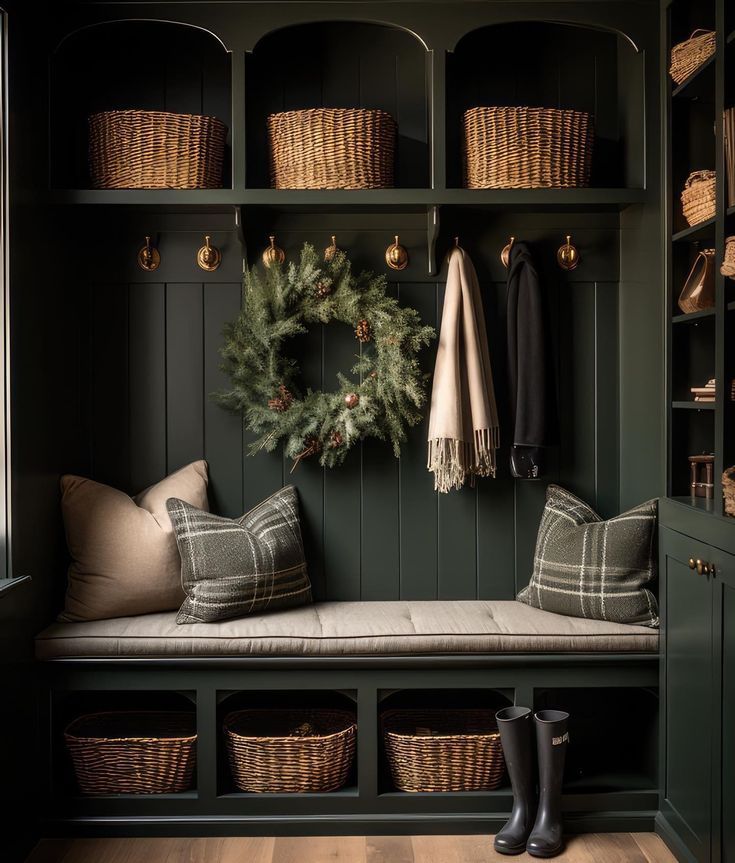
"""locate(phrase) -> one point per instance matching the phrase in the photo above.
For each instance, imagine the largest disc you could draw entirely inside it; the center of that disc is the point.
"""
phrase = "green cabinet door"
(687, 631)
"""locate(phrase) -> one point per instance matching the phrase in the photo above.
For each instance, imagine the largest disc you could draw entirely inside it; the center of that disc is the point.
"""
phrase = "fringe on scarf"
(452, 461)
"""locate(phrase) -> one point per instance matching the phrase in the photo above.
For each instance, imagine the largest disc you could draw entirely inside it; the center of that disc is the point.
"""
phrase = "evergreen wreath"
(280, 302)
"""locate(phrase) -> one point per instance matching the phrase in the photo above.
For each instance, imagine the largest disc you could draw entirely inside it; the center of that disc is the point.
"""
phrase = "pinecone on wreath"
(335, 440)
(363, 332)
(282, 402)
(322, 290)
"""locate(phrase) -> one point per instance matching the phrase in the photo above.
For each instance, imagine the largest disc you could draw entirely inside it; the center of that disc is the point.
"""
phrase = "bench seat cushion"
(350, 629)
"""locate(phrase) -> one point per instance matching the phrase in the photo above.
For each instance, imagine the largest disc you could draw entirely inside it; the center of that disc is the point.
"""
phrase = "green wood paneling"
(689, 693)
(107, 371)
(222, 430)
(727, 840)
(418, 503)
(184, 374)
(147, 384)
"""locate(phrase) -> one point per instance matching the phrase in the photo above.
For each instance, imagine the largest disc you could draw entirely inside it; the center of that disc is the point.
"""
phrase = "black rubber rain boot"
(515, 724)
(546, 838)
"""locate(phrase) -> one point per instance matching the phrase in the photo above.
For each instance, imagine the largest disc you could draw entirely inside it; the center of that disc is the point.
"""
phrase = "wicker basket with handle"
(155, 150)
(443, 750)
(290, 751)
(332, 148)
(698, 198)
(688, 56)
(527, 148)
(133, 752)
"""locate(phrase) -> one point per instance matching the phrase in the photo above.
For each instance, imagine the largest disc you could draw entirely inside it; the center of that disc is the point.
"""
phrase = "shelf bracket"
(432, 234)
(240, 234)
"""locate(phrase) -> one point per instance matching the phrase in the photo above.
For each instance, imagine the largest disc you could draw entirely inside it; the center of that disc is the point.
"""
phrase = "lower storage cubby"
(441, 741)
(286, 743)
(613, 736)
(124, 744)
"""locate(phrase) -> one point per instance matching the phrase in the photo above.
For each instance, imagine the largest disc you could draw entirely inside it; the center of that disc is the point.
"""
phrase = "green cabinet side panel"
(689, 693)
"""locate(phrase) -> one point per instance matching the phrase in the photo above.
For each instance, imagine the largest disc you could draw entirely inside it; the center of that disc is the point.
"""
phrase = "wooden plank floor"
(590, 848)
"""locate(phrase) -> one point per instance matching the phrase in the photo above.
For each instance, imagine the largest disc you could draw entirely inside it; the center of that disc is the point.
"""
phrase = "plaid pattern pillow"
(587, 567)
(230, 568)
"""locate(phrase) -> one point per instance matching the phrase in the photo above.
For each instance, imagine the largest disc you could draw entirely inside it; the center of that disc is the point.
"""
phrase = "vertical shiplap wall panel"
(380, 528)
(342, 487)
(147, 382)
(109, 385)
(496, 525)
(308, 478)
(222, 429)
(374, 529)
(457, 531)
(418, 502)
(184, 374)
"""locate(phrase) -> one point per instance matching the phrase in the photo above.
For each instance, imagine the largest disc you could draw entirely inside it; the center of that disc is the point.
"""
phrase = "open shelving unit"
(699, 344)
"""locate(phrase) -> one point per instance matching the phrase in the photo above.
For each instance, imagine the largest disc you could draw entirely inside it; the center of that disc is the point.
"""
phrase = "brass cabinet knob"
(692, 564)
(702, 567)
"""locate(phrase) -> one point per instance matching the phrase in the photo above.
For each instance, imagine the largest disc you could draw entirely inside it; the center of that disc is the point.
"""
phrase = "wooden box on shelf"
(701, 471)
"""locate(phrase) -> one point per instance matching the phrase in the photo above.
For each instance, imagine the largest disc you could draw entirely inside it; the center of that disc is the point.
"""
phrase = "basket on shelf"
(332, 148)
(155, 150)
(141, 752)
(443, 750)
(688, 56)
(527, 148)
(728, 261)
(290, 751)
(698, 198)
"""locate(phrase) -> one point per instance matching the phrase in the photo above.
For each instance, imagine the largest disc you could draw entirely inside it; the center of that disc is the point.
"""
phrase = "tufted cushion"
(351, 629)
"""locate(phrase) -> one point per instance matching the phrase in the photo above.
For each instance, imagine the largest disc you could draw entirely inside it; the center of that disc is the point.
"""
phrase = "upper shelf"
(592, 200)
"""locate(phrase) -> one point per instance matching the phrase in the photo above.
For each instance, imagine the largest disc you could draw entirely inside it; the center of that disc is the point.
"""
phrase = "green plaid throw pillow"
(234, 567)
(587, 567)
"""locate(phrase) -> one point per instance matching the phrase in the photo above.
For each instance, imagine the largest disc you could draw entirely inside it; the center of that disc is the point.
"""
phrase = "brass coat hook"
(209, 257)
(149, 258)
(331, 250)
(396, 256)
(568, 257)
(273, 254)
(505, 254)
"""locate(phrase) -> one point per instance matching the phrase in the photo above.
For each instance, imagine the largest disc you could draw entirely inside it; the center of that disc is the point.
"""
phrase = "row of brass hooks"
(208, 257)
(567, 256)
(396, 255)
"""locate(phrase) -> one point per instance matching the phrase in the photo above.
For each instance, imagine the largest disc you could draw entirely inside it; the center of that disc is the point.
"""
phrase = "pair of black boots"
(535, 823)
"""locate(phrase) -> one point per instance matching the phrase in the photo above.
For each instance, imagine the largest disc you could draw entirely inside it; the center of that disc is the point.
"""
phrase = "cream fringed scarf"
(463, 426)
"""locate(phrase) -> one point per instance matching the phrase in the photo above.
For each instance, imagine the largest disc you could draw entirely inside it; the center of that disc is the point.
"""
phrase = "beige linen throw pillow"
(124, 555)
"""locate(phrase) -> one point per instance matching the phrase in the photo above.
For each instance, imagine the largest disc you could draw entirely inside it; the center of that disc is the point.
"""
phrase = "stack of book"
(705, 393)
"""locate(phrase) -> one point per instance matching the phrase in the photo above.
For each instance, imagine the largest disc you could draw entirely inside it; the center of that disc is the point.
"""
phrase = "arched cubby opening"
(553, 65)
(340, 65)
(146, 65)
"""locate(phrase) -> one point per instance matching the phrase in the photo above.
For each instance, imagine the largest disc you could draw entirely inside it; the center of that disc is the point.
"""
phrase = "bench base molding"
(325, 825)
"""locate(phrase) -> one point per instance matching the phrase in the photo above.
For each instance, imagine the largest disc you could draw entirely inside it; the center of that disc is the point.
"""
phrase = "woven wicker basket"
(688, 56)
(133, 752)
(442, 750)
(698, 198)
(527, 148)
(290, 751)
(332, 148)
(155, 150)
(728, 261)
